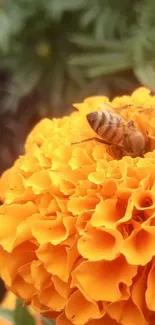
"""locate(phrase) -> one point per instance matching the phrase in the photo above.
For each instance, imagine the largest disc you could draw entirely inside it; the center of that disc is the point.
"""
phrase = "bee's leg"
(100, 141)
(91, 139)
(131, 124)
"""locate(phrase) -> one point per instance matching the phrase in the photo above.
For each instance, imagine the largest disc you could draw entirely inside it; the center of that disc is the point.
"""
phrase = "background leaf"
(146, 75)
(7, 314)
(22, 315)
(47, 321)
(57, 47)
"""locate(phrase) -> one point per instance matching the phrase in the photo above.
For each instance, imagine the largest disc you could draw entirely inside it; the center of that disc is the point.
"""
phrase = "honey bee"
(114, 130)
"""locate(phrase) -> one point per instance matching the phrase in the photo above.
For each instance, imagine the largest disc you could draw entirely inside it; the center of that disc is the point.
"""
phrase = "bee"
(114, 130)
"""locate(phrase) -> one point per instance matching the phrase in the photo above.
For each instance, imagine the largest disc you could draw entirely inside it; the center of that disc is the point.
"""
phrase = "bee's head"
(92, 118)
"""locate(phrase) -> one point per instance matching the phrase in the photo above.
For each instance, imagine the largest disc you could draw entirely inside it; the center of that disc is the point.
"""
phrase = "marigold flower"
(77, 228)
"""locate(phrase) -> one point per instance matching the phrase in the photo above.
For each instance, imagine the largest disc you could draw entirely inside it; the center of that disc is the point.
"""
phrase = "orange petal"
(79, 310)
(124, 194)
(150, 291)
(61, 156)
(106, 278)
(109, 187)
(139, 247)
(54, 259)
(105, 320)
(81, 204)
(107, 213)
(39, 307)
(23, 290)
(62, 204)
(67, 187)
(127, 215)
(97, 177)
(63, 320)
(3, 258)
(25, 272)
(96, 101)
(63, 288)
(4, 183)
(30, 163)
(72, 255)
(126, 313)
(79, 158)
(21, 255)
(50, 314)
(139, 291)
(46, 204)
(35, 273)
(51, 298)
(83, 187)
(39, 274)
(39, 181)
(117, 169)
(54, 230)
(99, 244)
(99, 153)
(24, 232)
(143, 199)
(82, 221)
(141, 96)
(15, 185)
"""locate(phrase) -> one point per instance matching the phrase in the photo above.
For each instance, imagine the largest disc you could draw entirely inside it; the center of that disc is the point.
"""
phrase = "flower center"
(146, 202)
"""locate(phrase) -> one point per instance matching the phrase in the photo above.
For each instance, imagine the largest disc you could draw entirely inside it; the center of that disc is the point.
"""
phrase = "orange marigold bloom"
(77, 228)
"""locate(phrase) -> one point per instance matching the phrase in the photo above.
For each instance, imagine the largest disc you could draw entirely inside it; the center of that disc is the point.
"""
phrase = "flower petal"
(79, 310)
(107, 213)
(150, 291)
(106, 283)
(100, 244)
(126, 313)
(139, 247)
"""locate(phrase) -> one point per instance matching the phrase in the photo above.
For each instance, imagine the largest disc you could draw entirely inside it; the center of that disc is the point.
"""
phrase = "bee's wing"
(107, 107)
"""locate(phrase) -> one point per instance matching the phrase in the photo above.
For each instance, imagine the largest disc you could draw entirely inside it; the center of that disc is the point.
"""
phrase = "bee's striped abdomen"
(110, 128)
(98, 120)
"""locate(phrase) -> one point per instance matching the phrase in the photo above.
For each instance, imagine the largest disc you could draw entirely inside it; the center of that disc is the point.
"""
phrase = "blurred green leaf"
(61, 5)
(90, 42)
(146, 75)
(84, 38)
(76, 76)
(99, 59)
(47, 321)
(109, 68)
(22, 315)
(7, 314)
(88, 16)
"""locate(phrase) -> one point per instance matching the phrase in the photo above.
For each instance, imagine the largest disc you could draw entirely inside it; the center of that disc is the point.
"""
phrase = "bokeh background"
(56, 52)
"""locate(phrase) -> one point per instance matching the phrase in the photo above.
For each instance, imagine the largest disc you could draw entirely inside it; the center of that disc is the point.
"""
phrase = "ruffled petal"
(106, 283)
(100, 244)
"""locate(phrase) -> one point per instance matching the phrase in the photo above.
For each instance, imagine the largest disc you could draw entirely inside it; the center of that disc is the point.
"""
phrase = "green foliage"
(58, 46)
(47, 321)
(7, 314)
(21, 315)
